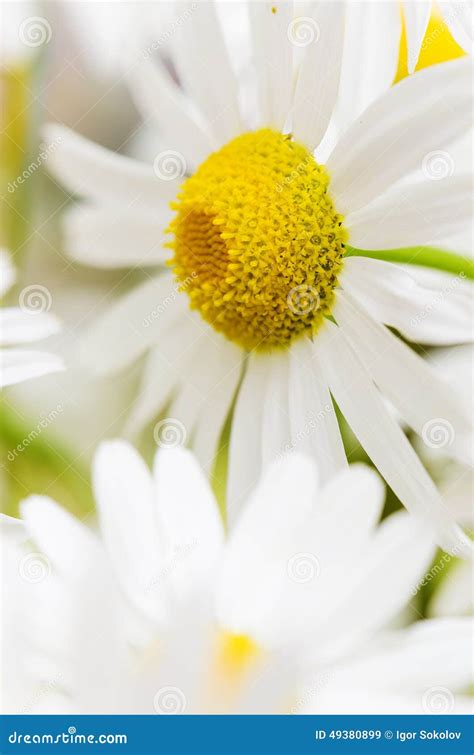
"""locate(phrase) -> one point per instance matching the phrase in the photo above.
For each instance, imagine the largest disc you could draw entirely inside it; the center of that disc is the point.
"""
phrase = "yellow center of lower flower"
(257, 241)
(235, 654)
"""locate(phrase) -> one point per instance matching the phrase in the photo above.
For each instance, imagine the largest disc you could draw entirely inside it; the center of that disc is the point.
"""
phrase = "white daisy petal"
(417, 15)
(374, 28)
(314, 427)
(421, 397)
(18, 326)
(184, 409)
(124, 492)
(188, 515)
(382, 438)
(17, 365)
(98, 237)
(273, 28)
(245, 453)
(7, 272)
(166, 365)
(204, 67)
(226, 363)
(435, 310)
(318, 78)
(425, 655)
(157, 96)
(275, 425)
(211, 373)
(12, 529)
(422, 113)
(89, 170)
(399, 540)
(351, 504)
(59, 536)
(251, 577)
(418, 213)
(131, 325)
(149, 400)
(458, 16)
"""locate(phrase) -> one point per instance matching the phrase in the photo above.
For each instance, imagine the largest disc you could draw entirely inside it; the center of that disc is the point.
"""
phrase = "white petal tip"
(34, 502)
(112, 449)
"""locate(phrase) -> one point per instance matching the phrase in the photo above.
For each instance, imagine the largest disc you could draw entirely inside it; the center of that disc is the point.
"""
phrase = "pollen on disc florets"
(257, 241)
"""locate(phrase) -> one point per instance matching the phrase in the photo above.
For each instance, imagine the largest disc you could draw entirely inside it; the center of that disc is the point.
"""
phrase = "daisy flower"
(167, 613)
(269, 305)
(19, 325)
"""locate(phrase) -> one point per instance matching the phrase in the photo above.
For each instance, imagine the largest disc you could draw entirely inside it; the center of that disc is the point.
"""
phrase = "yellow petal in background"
(16, 124)
(438, 46)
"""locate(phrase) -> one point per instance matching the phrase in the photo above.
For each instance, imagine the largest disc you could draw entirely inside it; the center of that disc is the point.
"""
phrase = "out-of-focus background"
(62, 61)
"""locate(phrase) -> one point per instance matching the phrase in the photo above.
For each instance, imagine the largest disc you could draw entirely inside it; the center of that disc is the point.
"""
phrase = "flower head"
(168, 613)
(276, 310)
(258, 233)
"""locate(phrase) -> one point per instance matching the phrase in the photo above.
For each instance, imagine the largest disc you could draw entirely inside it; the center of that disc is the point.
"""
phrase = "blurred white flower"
(368, 198)
(29, 322)
(162, 611)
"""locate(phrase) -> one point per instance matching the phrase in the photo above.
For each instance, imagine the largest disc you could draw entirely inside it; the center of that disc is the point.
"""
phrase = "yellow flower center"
(257, 241)
(235, 657)
(236, 653)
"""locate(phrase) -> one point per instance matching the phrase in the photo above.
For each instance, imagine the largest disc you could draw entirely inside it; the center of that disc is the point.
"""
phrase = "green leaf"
(427, 256)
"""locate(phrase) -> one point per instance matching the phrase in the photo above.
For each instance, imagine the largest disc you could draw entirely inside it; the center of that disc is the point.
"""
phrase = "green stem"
(421, 255)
